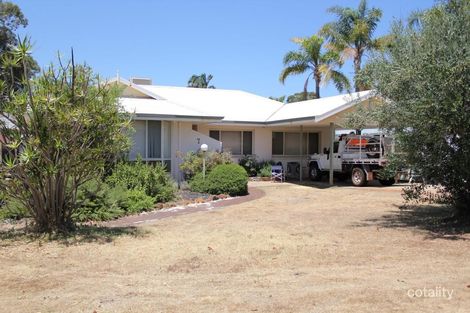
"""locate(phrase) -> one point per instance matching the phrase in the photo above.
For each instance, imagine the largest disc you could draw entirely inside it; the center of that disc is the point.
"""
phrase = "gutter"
(177, 117)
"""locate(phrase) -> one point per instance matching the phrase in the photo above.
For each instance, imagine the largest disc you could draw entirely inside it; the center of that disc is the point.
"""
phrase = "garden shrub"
(152, 179)
(137, 201)
(11, 209)
(192, 162)
(198, 184)
(97, 201)
(229, 179)
(250, 164)
(131, 188)
(266, 171)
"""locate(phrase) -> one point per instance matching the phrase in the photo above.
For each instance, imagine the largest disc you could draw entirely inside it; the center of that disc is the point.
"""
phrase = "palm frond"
(294, 57)
(362, 8)
(348, 53)
(339, 11)
(415, 19)
(295, 69)
(340, 81)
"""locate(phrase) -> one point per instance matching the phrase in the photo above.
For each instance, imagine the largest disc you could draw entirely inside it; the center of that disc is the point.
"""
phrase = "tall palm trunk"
(317, 84)
(357, 69)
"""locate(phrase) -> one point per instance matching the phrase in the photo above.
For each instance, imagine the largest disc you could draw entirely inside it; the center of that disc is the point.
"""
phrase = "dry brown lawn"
(298, 249)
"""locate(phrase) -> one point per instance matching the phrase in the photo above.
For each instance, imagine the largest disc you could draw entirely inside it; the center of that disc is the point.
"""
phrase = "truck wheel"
(358, 177)
(315, 173)
(387, 182)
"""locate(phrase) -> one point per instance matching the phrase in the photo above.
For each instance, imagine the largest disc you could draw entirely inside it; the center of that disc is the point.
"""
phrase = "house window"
(288, 143)
(313, 143)
(215, 134)
(278, 143)
(154, 139)
(232, 141)
(152, 142)
(237, 142)
(194, 127)
(247, 143)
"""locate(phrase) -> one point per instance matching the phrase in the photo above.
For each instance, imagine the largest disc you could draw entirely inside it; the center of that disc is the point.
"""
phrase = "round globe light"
(204, 147)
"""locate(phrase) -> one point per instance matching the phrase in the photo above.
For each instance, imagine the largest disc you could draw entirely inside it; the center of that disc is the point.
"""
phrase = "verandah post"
(332, 146)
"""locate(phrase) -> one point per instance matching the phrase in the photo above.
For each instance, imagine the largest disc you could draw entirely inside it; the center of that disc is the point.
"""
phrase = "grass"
(298, 249)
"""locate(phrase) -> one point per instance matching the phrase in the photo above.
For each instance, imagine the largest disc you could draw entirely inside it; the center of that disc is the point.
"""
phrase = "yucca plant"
(60, 128)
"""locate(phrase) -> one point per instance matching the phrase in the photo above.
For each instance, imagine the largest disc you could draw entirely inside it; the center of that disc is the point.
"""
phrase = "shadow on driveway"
(340, 183)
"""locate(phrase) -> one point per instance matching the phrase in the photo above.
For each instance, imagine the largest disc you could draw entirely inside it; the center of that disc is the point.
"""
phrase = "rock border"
(149, 217)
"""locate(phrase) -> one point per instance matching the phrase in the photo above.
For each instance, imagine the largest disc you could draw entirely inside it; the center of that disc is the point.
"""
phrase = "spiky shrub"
(62, 127)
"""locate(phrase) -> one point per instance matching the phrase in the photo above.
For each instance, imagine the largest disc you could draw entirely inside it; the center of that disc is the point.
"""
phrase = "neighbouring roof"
(231, 106)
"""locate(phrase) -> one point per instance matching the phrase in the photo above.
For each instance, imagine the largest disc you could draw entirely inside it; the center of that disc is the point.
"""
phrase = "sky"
(240, 42)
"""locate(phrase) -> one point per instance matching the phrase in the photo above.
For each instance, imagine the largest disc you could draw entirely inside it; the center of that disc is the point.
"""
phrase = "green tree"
(64, 126)
(296, 97)
(11, 18)
(318, 64)
(200, 81)
(300, 96)
(425, 77)
(280, 99)
(351, 34)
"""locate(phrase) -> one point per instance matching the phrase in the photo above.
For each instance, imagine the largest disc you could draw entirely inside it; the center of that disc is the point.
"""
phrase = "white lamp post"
(204, 149)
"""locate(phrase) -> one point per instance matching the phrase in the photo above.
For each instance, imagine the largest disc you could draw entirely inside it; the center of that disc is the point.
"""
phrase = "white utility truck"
(360, 157)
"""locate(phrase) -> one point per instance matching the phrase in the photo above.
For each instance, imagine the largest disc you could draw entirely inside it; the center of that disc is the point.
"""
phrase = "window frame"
(162, 157)
(306, 148)
(219, 131)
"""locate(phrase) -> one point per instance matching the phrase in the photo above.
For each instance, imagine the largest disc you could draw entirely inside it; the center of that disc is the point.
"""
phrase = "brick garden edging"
(148, 217)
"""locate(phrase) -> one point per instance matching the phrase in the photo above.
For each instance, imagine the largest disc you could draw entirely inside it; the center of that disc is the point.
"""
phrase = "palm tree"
(200, 81)
(319, 65)
(352, 34)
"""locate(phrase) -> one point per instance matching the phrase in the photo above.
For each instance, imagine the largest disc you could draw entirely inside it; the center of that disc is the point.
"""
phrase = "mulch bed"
(197, 203)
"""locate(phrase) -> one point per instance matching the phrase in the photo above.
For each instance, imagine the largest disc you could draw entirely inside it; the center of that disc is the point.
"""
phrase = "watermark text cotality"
(435, 292)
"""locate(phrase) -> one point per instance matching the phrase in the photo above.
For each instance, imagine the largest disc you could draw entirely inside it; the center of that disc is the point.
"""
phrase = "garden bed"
(187, 197)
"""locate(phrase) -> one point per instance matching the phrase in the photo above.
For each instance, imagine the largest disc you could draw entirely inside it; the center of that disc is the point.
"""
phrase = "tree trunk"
(357, 69)
(317, 78)
(317, 87)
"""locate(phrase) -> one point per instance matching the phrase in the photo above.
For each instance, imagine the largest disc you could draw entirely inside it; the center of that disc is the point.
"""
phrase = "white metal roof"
(148, 107)
(232, 106)
(318, 109)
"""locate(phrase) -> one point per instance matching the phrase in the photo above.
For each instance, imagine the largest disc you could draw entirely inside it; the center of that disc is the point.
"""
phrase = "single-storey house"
(170, 121)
